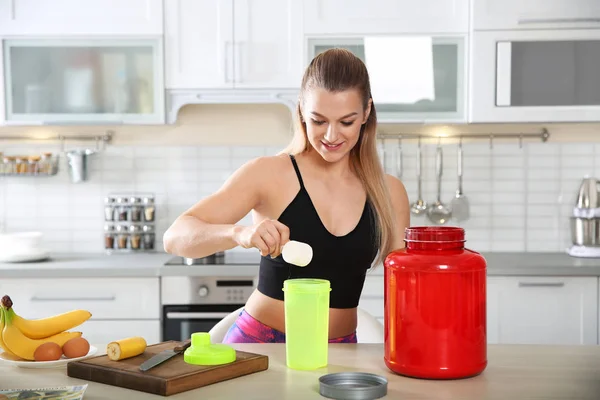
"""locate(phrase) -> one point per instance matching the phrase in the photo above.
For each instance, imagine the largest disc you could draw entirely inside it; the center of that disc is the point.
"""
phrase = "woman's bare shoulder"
(396, 189)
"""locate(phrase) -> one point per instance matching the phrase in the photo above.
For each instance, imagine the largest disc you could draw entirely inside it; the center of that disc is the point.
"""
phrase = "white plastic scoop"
(297, 253)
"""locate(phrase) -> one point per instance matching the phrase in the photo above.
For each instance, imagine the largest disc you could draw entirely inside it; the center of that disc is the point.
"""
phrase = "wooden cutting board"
(171, 377)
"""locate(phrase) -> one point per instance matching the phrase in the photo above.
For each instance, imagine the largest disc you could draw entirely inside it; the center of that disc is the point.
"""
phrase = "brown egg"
(47, 352)
(76, 347)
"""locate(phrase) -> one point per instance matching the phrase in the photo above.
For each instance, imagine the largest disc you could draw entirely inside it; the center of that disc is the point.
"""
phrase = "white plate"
(7, 359)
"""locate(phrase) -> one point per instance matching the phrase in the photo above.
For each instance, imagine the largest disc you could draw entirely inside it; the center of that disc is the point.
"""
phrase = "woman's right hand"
(268, 236)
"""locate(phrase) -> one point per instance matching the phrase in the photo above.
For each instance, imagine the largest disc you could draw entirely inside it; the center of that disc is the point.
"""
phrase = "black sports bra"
(343, 260)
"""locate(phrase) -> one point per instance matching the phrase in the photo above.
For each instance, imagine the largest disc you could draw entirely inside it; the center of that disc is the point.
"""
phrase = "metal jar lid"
(353, 386)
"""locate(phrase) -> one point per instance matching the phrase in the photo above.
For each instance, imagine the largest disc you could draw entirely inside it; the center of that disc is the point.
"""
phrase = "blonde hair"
(338, 70)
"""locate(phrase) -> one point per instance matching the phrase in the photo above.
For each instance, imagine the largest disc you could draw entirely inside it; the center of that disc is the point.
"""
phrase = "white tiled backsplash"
(520, 198)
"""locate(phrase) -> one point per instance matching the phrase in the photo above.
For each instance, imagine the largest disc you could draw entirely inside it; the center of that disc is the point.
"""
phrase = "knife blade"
(164, 356)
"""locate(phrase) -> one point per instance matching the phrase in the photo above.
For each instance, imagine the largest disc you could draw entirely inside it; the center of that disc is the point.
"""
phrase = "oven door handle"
(196, 315)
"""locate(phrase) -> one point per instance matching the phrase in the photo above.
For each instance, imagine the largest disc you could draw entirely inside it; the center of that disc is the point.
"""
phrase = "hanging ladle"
(438, 213)
(419, 206)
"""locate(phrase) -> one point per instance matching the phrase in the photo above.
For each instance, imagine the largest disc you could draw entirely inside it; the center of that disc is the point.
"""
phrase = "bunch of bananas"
(20, 337)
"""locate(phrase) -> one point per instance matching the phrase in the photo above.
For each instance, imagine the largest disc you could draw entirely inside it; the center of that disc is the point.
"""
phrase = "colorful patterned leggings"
(246, 329)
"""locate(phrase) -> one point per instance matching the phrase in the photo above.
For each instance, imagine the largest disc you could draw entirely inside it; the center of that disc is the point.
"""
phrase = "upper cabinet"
(85, 81)
(233, 44)
(535, 14)
(535, 76)
(76, 17)
(430, 87)
(347, 17)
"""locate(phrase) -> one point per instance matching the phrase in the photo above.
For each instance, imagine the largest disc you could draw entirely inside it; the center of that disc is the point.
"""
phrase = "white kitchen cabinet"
(105, 298)
(105, 331)
(343, 17)
(535, 14)
(84, 81)
(542, 310)
(430, 87)
(76, 17)
(535, 76)
(2, 106)
(233, 44)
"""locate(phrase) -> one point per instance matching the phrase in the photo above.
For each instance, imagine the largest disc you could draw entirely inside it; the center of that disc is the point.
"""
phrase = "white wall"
(520, 197)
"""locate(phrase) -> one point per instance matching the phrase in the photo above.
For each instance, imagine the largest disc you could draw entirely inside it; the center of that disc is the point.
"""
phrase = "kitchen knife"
(164, 356)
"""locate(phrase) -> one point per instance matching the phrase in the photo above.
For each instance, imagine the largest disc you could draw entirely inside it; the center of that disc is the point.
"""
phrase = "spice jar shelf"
(129, 223)
(35, 165)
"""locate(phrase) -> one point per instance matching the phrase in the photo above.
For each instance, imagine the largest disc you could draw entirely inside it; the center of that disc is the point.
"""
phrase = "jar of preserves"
(435, 306)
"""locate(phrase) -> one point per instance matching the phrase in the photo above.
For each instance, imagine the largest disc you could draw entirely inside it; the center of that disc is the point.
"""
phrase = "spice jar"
(33, 165)
(148, 237)
(46, 165)
(148, 209)
(136, 209)
(122, 209)
(135, 237)
(109, 237)
(435, 306)
(21, 165)
(9, 165)
(121, 237)
(109, 208)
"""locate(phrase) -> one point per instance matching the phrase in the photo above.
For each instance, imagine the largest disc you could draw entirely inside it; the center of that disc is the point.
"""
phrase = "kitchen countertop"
(88, 265)
(514, 371)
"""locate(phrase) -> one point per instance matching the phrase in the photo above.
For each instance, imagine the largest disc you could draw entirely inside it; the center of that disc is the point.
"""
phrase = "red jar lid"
(434, 234)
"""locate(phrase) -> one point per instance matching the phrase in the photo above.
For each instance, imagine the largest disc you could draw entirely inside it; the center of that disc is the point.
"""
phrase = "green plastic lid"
(202, 352)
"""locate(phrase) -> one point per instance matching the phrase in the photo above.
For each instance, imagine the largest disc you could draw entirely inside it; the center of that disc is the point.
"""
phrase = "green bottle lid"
(202, 352)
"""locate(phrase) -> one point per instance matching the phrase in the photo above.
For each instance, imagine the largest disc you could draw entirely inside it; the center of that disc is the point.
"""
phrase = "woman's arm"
(401, 208)
(210, 225)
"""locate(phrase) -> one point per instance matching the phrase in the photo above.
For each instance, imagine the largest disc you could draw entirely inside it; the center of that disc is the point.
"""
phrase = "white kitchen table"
(514, 372)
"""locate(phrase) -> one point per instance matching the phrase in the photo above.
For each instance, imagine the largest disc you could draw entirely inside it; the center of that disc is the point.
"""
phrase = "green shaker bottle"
(306, 303)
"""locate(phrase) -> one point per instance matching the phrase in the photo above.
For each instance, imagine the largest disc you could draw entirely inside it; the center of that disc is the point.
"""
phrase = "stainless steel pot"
(585, 231)
(212, 259)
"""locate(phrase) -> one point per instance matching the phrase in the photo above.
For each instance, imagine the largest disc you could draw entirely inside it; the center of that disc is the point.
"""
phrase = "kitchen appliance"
(197, 303)
(585, 220)
(174, 376)
(435, 306)
(535, 75)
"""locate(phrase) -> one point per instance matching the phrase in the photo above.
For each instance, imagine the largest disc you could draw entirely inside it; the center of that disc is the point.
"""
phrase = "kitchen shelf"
(30, 166)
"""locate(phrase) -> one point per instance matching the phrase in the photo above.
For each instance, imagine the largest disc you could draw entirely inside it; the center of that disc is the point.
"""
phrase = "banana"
(2, 345)
(24, 347)
(126, 348)
(46, 327)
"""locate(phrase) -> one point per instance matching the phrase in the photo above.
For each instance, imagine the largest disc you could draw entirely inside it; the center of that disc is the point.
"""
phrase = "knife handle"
(183, 345)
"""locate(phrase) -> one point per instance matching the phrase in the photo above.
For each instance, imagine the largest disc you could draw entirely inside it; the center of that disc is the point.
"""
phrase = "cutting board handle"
(183, 345)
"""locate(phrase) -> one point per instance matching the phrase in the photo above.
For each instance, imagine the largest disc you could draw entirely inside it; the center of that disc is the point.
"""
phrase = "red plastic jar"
(435, 306)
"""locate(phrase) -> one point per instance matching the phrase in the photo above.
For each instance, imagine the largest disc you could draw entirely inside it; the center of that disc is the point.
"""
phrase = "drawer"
(105, 298)
(100, 333)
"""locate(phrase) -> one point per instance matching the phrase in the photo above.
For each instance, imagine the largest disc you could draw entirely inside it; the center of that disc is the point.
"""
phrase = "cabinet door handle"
(532, 21)
(226, 61)
(108, 298)
(541, 284)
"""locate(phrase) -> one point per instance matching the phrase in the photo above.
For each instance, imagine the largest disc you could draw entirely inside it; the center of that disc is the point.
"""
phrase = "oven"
(197, 303)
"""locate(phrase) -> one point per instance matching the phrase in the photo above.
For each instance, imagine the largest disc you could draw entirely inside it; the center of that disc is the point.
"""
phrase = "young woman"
(326, 189)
